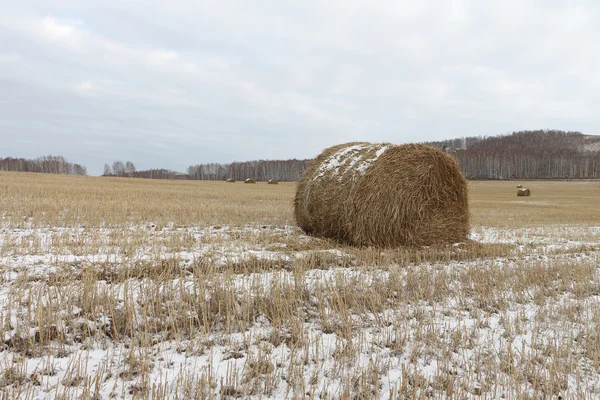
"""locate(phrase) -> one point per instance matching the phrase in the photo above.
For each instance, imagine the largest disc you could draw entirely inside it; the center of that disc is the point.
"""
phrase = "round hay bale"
(384, 195)
(519, 186)
(231, 180)
(249, 180)
(523, 192)
(273, 182)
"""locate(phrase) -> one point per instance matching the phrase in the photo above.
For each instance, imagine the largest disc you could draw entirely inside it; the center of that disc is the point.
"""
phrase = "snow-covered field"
(267, 312)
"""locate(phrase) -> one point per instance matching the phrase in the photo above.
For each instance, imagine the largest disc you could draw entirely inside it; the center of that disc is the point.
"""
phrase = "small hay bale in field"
(523, 192)
(231, 180)
(273, 182)
(249, 180)
(384, 195)
(519, 186)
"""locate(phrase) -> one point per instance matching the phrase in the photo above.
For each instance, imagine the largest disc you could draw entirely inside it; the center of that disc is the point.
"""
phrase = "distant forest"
(261, 170)
(46, 164)
(541, 154)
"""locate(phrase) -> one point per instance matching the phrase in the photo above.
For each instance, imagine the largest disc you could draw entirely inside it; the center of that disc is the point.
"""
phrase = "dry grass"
(125, 288)
(99, 201)
(493, 204)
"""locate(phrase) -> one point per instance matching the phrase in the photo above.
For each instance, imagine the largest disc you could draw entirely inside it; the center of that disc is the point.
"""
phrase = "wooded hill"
(543, 154)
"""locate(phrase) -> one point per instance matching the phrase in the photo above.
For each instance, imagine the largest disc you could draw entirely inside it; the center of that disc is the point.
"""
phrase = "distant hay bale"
(273, 182)
(523, 192)
(519, 186)
(249, 181)
(384, 195)
(231, 180)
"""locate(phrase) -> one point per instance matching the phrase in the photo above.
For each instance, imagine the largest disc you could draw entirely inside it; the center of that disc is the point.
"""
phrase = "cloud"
(222, 81)
(61, 33)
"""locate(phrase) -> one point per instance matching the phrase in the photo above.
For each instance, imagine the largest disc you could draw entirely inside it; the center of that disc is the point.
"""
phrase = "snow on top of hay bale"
(357, 157)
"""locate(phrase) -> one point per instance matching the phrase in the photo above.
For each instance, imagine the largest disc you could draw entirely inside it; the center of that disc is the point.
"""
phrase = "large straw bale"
(384, 195)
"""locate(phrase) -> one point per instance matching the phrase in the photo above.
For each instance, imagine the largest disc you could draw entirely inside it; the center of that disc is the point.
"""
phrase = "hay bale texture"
(519, 186)
(273, 182)
(231, 180)
(523, 192)
(249, 180)
(384, 195)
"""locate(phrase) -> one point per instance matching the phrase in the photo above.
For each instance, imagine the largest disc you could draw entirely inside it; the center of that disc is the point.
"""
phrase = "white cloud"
(84, 86)
(61, 33)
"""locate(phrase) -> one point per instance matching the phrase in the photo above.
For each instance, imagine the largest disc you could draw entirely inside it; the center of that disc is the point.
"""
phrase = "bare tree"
(129, 168)
(107, 170)
(118, 168)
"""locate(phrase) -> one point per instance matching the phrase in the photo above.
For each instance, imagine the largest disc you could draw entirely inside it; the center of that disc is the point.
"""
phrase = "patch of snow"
(325, 368)
(358, 162)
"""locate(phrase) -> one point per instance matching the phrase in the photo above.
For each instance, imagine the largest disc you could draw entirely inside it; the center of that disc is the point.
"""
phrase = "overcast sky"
(180, 82)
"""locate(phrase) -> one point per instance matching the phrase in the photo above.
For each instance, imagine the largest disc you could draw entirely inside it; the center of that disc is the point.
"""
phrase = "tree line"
(128, 169)
(541, 154)
(120, 168)
(46, 164)
(260, 170)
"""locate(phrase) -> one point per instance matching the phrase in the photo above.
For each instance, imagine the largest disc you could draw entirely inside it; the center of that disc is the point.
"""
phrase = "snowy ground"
(266, 312)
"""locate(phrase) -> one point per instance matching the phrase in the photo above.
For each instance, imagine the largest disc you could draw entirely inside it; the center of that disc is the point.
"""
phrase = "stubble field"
(129, 288)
